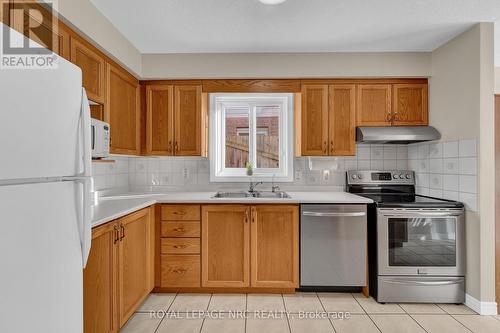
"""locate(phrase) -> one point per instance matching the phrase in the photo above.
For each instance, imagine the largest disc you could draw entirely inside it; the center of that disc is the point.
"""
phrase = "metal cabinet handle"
(116, 234)
(246, 215)
(389, 116)
(180, 212)
(180, 271)
(122, 232)
(179, 229)
(325, 147)
(179, 246)
(254, 212)
(170, 146)
(331, 147)
(321, 214)
(176, 147)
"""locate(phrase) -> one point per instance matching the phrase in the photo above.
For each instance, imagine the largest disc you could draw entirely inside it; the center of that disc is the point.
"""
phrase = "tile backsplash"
(446, 170)
(443, 169)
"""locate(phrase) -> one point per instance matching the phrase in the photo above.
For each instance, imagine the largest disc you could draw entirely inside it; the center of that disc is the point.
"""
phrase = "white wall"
(286, 65)
(87, 20)
(461, 107)
(497, 80)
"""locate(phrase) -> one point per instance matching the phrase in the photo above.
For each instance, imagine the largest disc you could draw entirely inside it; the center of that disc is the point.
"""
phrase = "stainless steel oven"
(416, 244)
(421, 241)
(421, 255)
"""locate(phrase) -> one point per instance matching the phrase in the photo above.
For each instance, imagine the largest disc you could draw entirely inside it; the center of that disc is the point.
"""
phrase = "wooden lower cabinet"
(119, 273)
(100, 278)
(250, 246)
(225, 255)
(275, 246)
(135, 262)
(180, 271)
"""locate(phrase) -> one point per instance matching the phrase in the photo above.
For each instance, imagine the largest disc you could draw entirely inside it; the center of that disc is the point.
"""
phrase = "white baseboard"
(483, 308)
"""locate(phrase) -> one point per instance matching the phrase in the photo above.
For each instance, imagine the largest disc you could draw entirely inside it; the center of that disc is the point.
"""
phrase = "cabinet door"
(314, 120)
(122, 111)
(374, 105)
(39, 25)
(92, 66)
(410, 104)
(275, 246)
(100, 276)
(342, 120)
(188, 121)
(225, 253)
(135, 262)
(159, 120)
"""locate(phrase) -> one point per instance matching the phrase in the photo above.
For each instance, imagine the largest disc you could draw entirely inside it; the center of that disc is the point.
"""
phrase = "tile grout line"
(246, 313)
(409, 314)
(366, 313)
(286, 313)
(452, 316)
(168, 308)
(206, 309)
(324, 309)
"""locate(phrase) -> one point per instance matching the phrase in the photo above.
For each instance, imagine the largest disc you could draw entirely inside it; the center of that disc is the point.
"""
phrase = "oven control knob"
(401, 176)
(408, 176)
(354, 176)
(395, 176)
(360, 176)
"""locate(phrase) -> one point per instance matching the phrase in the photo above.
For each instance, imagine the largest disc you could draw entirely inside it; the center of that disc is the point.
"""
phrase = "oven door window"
(422, 241)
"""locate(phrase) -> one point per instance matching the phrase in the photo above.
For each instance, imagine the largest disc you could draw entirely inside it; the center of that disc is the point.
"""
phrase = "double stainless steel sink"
(254, 194)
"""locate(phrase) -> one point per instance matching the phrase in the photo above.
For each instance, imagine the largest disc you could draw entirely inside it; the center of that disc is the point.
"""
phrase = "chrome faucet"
(252, 185)
(275, 187)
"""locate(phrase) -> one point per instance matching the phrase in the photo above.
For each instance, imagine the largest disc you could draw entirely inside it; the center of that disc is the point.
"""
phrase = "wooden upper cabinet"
(342, 120)
(135, 262)
(100, 308)
(314, 120)
(40, 26)
(374, 105)
(275, 246)
(410, 104)
(188, 120)
(92, 65)
(159, 120)
(122, 111)
(225, 253)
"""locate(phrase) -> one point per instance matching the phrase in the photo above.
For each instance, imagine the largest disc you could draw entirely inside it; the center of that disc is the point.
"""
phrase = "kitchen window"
(251, 128)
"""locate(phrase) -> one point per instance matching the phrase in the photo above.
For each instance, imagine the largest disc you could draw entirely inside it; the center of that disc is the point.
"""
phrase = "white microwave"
(100, 138)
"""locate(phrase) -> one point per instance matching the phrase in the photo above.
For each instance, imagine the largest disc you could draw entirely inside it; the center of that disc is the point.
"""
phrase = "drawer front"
(180, 212)
(180, 229)
(180, 245)
(180, 271)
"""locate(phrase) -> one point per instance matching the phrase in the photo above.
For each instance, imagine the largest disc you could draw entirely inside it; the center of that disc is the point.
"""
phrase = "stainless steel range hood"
(396, 134)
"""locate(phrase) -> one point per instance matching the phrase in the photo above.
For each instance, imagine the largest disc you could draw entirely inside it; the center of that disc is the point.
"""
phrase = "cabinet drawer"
(180, 245)
(180, 212)
(180, 229)
(180, 271)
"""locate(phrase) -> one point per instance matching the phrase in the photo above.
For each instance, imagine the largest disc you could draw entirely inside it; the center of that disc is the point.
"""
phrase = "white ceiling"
(214, 26)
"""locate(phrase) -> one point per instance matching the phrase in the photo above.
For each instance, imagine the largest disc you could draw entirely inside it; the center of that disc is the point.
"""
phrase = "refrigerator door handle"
(85, 224)
(86, 135)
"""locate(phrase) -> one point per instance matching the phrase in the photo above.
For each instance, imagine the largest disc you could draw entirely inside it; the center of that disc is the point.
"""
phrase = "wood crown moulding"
(275, 85)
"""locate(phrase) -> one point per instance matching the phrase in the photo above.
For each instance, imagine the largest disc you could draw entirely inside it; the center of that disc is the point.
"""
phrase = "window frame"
(218, 172)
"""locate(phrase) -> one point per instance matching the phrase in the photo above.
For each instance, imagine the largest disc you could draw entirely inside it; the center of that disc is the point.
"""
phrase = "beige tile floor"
(366, 315)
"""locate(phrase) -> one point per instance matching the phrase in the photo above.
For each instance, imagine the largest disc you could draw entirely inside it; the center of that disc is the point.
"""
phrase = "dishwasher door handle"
(333, 214)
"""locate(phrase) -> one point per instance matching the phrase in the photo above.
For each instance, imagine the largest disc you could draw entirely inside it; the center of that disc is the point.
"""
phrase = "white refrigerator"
(45, 212)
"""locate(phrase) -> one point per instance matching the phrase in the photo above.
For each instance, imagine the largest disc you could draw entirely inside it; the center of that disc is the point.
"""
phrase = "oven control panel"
(362, 177)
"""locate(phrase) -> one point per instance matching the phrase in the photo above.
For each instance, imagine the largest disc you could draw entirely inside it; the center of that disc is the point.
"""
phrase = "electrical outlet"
(326, 175)
(185, 173)
(298, 176)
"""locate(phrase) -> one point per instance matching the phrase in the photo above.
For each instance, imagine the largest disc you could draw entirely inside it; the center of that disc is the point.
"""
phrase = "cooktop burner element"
(393, 189)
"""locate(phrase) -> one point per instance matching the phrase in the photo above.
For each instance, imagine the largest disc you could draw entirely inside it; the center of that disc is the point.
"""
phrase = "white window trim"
(217, 154)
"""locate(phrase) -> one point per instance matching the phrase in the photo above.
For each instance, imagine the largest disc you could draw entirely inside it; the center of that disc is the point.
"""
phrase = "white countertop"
(111, 208)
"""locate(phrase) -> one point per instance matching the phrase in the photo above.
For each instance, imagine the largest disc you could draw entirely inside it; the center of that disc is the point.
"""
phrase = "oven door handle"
(423, 283)
(332, 214)
(436, 214)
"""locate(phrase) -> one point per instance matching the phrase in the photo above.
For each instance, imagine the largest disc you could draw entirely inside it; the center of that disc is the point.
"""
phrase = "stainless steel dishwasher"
(333, 242)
